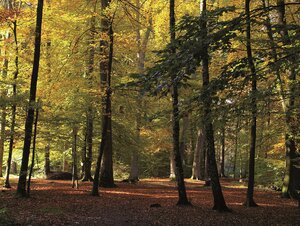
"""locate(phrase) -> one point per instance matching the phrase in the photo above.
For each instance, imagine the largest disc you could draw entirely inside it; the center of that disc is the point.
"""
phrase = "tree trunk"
(95, 189)
(3, 110)
(47, 161)
(196, 174)
(183, 137)
(87, 164)
(222, 169)
(219, 201)
(106, 51)
(21, 190)
(175, 120)
(33, 151)
(89, 143)
(74, 159)
(236, 146)
(249, 199)
(83, 156)
(13, 108)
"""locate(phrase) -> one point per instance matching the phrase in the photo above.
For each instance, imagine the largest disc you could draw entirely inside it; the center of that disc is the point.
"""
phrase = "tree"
(88, 146)
(219, 201)
(13, 107)
(106, 47)
(21, 190)
(175, 119)
(249, 200)
(106, 51)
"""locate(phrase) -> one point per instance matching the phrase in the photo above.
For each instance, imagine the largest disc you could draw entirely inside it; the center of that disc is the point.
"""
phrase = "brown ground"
(56, 203)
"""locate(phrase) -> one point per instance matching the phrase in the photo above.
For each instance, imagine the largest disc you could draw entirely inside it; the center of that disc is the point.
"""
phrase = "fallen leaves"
(56, 203)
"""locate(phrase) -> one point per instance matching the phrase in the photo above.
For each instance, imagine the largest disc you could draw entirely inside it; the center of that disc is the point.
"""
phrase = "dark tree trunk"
(21, 190)
(95, 189)
(47, 161)
(106, 51)
(74, 159)
(33, 151)
(175, 120)
(13, 108)
(219, 201)
(222, 170)
(249, 199)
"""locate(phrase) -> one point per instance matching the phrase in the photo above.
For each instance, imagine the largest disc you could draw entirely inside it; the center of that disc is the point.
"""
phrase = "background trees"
(140, 99)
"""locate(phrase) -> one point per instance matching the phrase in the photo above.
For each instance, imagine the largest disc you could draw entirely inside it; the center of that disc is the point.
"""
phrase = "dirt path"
(56, 203)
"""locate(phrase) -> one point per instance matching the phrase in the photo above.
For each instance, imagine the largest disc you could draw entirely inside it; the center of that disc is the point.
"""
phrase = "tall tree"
(219, 201)
(21, 190)
(175, 118)
(88, 154)
(106, 52)
(13, 107)
(249, 199)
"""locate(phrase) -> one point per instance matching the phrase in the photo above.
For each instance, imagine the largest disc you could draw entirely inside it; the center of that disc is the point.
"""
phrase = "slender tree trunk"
(83, 156)
(219, 201)
(33, 151)
(47, 161)
(13, 108)
(87, 164)
(249, 199)
(183, 137)
(175, 120)
(236, 146)
(74, 159)
(3, 109)
(106, 51)
(203, 156)
(222, 170)
(95, 189)
(196, 175)
(21, 190)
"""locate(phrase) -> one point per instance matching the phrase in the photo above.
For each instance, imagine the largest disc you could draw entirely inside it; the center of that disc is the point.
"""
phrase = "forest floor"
(56, 203)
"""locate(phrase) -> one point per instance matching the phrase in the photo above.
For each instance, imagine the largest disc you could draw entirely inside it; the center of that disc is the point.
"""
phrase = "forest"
(143, 112)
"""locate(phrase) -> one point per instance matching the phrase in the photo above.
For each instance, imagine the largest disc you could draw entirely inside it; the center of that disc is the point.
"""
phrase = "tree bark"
(196, 174)
(47, 161)
(222, 168)
(87, 164)
(13, 108)
(33, 152)
(74, 159)
(250, 191)
(175, 120)
(95, 189)
(219, 201)
(21, 190)
(106, 51)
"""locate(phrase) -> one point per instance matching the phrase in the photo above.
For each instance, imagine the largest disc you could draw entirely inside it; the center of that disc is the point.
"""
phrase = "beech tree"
(21, 190)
